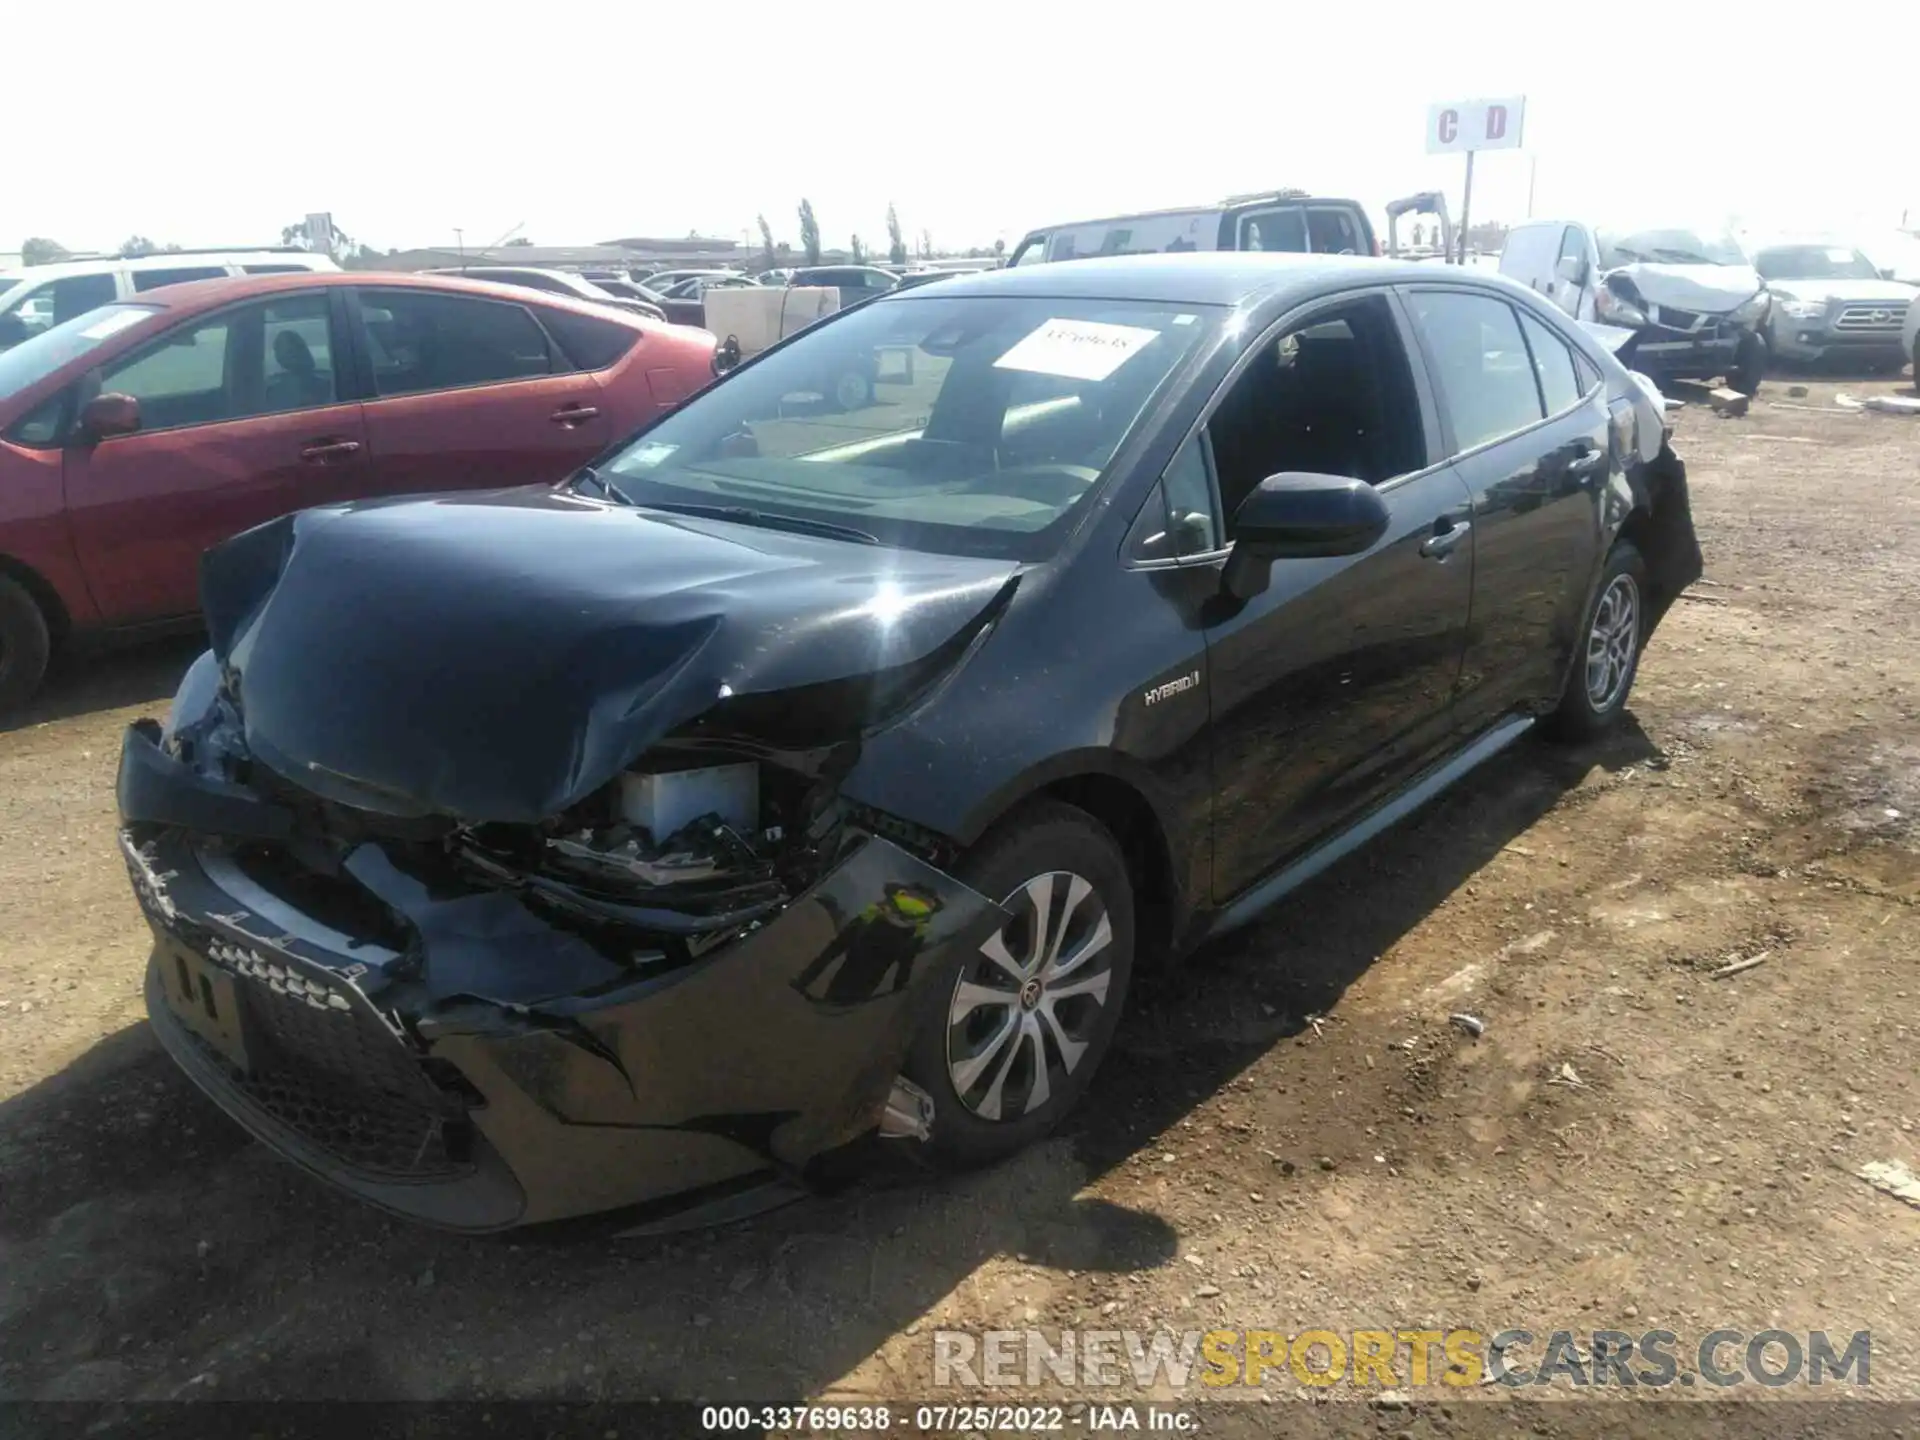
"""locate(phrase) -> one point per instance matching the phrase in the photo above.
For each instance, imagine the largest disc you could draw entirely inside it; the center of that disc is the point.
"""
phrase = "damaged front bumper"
(466, 1056)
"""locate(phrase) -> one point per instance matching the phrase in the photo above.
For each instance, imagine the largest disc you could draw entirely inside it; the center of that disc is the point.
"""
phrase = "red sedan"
(136, 435)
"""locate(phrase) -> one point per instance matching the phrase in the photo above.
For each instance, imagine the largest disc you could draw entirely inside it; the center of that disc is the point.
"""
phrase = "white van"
(1271, 220)
(40, 296)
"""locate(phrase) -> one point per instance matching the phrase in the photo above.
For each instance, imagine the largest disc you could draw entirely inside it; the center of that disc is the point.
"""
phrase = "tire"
(984, 1102)
(1750, 366)
(24, 645)
(1588, 709)
(851, 390)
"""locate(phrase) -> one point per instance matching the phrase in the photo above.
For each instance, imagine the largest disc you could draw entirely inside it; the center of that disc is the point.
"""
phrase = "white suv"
(40, 296)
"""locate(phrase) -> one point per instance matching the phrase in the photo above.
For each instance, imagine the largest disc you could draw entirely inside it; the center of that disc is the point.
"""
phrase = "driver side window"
(1331, 396)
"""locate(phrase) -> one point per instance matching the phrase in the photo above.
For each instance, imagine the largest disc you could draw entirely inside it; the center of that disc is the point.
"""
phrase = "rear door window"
(1482, 364)
(426, 341)
(1331, 231)
(75, 295)
(1284, 230)
(154, 279)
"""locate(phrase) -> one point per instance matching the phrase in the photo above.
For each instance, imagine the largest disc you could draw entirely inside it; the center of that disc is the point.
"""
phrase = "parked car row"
(137, 434)
(563, 282)
(1703, 305)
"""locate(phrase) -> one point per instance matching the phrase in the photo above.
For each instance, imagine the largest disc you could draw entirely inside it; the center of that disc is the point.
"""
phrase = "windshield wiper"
(745, 515)
(607, 488)
(1684, 257)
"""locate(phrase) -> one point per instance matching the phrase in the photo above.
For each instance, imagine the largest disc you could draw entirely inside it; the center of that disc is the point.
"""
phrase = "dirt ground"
(1291, 1135)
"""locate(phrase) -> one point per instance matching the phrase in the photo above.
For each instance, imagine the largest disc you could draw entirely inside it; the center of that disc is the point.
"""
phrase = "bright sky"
(213, 123)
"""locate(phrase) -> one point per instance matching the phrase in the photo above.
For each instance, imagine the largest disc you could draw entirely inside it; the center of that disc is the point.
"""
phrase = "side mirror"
(108, 415)
(1887, 273)
(1297, 516)
(1572, 269)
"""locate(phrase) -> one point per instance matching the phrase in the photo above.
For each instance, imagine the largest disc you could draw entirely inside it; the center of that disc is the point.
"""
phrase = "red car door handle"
(318, 452)
(574, 414)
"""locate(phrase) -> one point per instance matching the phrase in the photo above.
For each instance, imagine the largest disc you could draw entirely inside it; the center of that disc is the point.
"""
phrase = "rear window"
(590, 343)
(154, 279)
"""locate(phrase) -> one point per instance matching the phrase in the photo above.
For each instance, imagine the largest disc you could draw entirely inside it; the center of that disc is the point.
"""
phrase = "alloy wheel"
(1024, 1011)
(1611, 642)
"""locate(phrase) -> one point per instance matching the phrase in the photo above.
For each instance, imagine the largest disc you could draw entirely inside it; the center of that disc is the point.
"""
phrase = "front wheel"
(24, 645)
(1609, 653)
(1749, 365)
(1027, 1017)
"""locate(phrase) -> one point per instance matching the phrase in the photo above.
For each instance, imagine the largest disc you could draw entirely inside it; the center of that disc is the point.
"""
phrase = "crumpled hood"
(498, 656)
(1890, 293)
(1710, 289)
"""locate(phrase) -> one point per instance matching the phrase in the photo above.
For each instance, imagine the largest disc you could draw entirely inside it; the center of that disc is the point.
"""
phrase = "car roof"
(199, 294)
(1201, 277)
(160, 260)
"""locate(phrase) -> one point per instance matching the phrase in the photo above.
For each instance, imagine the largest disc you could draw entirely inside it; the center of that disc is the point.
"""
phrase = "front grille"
(1667, 315)
(373, 1133)
(327, 1066)
(1871, 317)
(333, 1037)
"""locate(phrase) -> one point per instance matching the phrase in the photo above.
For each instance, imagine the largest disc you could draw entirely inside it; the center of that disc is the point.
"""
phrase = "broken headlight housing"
(198, 689)
(1615, 309)
(1754, 310)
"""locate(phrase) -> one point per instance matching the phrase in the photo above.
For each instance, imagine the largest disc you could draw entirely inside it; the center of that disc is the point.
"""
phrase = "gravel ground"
(1292, 1134)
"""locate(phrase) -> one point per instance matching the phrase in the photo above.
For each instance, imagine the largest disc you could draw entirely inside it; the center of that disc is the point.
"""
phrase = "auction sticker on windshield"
(1076, 349)
(645, 457)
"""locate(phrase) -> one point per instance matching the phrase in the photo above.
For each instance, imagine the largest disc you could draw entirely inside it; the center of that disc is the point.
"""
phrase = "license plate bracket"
(203, 998)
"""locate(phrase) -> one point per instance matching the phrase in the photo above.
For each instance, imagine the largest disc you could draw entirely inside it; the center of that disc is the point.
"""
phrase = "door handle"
(574, 414)
(319, 452)
(1440, 544)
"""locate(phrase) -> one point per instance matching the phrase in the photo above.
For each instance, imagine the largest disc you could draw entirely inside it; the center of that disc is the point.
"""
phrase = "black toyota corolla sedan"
(804, 772)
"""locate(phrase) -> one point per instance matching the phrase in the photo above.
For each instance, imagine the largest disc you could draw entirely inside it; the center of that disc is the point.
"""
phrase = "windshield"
(33, 360)
(972, 425)
(1814, 262)
(1669, 247)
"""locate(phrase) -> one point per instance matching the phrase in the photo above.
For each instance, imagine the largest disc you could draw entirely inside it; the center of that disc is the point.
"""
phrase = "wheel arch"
(1103, 785)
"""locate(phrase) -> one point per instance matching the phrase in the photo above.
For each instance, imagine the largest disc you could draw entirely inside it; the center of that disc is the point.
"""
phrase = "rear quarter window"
(588, 342)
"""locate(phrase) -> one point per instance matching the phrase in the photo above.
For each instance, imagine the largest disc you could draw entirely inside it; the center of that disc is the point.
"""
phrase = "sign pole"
(1466, 210)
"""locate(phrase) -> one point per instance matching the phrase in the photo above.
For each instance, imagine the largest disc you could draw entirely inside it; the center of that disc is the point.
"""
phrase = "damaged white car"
(1697, 309)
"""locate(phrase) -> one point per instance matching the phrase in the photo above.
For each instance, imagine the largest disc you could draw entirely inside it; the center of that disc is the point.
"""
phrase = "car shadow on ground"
(1841, 371)
(150, 1242)
(85, 683)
